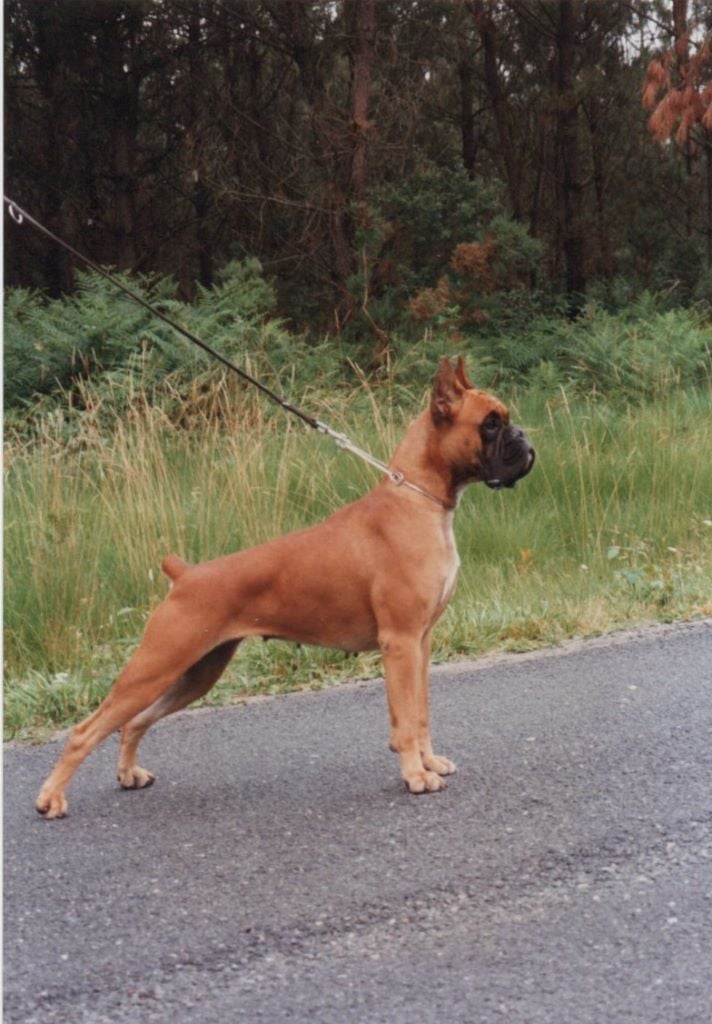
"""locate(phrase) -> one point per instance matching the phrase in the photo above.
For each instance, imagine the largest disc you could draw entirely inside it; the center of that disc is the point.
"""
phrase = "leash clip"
(396, 477)
(15, 214)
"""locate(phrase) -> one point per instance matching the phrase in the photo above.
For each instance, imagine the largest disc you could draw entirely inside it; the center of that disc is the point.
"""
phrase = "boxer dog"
(377, 574)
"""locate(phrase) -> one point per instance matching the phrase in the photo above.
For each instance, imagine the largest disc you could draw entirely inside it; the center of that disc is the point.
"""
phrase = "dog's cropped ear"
(461, 373)
(446, 397)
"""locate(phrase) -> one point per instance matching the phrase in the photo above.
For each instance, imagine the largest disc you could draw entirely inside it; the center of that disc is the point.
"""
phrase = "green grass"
(613, 527)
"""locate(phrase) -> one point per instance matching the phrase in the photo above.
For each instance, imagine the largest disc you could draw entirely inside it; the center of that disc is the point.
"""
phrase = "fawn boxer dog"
(377, 574)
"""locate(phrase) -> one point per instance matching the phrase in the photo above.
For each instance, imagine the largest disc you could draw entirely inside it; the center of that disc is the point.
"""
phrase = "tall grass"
(613, 526)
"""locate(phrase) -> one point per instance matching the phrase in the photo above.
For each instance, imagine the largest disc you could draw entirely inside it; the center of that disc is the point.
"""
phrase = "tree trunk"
(708, 227)
(603, 237)
(364, 17)
(326, 155)
(122, 82)
(511, 158)
(200, 197)
(682, 46)
(574, 241)
(50, 74)
(466, 78)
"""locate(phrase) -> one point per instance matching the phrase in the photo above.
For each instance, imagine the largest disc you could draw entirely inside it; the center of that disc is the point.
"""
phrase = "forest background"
(335, 194)
(351, 145)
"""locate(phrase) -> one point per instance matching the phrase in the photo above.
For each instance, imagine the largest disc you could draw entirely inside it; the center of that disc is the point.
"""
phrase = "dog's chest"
(451, 564)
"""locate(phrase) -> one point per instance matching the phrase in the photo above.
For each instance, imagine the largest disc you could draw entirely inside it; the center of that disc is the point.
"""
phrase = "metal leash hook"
(345, 444)
(394, 475)
(15, 214)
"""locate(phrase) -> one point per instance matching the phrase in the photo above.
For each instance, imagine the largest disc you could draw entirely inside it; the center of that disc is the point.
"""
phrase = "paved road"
(277, 871)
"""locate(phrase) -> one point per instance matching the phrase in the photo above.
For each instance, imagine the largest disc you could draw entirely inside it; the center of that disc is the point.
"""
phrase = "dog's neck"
(416, 457)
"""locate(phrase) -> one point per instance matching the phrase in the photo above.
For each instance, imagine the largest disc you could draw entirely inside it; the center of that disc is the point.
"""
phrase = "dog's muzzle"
(513, 457)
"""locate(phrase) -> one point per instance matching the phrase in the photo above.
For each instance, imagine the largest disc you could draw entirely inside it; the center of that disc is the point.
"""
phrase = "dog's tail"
(174, 567)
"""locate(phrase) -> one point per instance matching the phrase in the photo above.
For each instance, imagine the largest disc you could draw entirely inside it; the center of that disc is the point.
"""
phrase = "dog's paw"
(135, 778)
(440, 765)
(52, 806)
(425, 782)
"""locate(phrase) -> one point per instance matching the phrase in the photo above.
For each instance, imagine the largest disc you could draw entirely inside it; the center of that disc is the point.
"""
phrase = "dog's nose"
(517, 435)
(520, 438)
(526, 449)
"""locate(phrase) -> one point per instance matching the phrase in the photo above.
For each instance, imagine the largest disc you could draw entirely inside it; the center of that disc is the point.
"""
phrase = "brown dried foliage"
(685, 83)
(473, 261)
(430, 302)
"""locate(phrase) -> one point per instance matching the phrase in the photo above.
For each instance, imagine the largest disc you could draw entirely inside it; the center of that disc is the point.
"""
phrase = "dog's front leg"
(433, 762)
(403, 663)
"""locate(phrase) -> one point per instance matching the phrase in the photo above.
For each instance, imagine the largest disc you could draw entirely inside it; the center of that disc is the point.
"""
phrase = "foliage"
(352, 147)
(641, 358)
(641, 353)
(429, 214)
(80, 356)
(52, 345)
(483, 278)
(678, 90)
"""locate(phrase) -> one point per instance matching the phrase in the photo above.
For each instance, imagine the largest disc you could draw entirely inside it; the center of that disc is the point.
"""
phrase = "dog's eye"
(492, 424)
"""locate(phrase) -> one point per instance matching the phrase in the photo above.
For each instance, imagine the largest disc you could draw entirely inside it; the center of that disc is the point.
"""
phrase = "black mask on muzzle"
(508, 458)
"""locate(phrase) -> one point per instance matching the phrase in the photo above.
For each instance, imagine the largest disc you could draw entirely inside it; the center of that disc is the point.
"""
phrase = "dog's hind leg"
(192, 684)
(172, 643)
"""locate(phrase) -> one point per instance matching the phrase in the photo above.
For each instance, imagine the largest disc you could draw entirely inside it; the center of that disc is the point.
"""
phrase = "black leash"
(21, 216)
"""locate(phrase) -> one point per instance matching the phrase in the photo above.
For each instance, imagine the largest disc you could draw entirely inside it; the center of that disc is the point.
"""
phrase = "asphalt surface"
(278, 871)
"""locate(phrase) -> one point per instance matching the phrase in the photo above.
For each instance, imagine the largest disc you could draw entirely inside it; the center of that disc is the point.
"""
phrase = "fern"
(51, 345)
(94, 354)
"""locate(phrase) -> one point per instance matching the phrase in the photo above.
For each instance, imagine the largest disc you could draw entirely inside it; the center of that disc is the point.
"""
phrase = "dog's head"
(475, 437)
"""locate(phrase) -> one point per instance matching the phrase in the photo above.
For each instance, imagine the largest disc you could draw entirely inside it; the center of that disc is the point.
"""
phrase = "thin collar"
(400, 480)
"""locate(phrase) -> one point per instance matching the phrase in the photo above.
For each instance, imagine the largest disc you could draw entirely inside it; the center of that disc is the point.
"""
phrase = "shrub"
(428, 215)
(484, 279)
